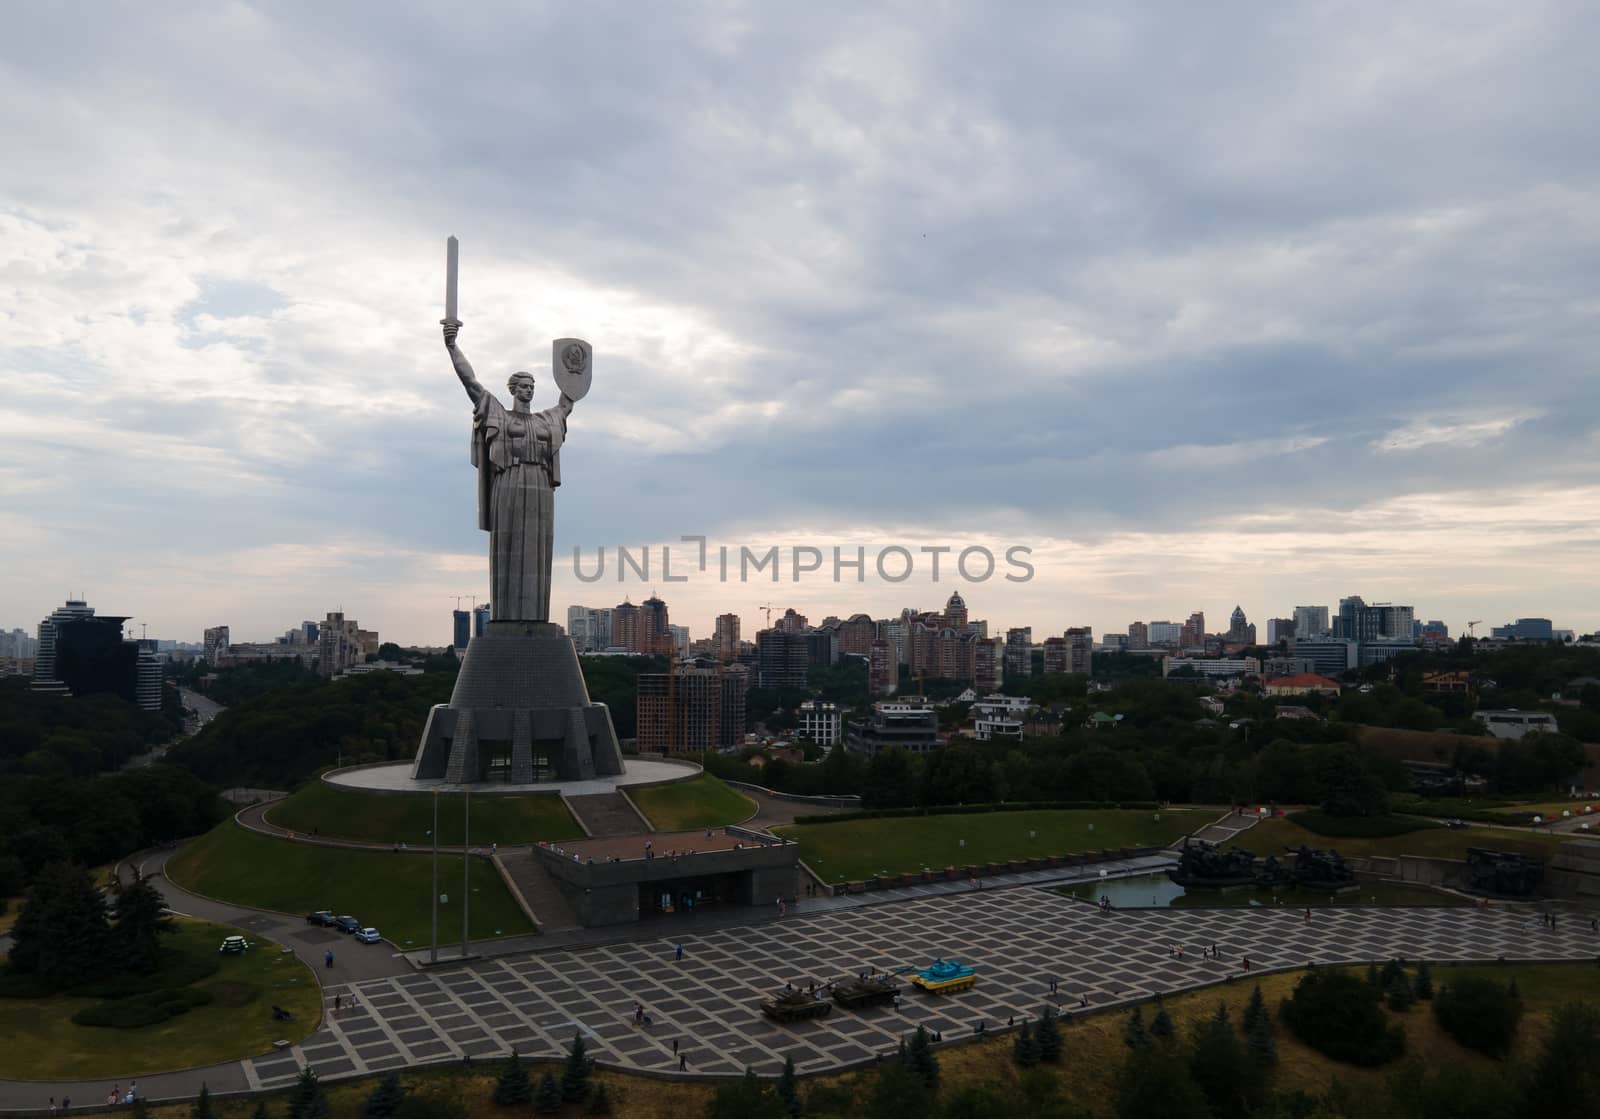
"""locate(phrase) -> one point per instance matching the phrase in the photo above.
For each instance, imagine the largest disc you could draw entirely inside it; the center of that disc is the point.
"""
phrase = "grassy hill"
(333, 810)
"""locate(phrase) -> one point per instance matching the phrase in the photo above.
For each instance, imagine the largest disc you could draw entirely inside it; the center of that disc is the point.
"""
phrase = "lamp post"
(433, 953)
(466, 866)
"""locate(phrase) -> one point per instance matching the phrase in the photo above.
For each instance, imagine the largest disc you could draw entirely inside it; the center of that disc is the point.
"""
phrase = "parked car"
(322, 917)
(369, 936)
(234, 944)
(347, 924)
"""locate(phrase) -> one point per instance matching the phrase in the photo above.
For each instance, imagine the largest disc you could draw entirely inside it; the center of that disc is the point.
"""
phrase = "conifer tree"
(511, 1088)
(1049, 1035)
(1134, 1033)
(1424, 982)
(1026, 1048)
(547, 1100)
(575, 1076)
(921, 1059)
(307, 1099)
(1261, 1037)
(385, 1100)
(599, 1099)
(789, 1088)
(202, 1108)
(1254, 1009)
(1161, 1027)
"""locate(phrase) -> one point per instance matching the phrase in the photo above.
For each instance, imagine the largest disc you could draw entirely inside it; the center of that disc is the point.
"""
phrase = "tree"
(1562, 1080)
(308, 1099)
(140, 924)
(385, 1100)
(1424, 984)
(922, 1060)
(1480, 1013)
(1161, 1027)
(61, 934)
(890, 780)
(789, 1088)
(511, 1087)
(1134, 1035)
(745, 1098)
(547, 1098)
(1453, 1091)
(202, 1108)
(1338, 1014)
(1155, 1083)
(1222, 1067)
(1254, 1009)
(261, 1110)
(575, 1076)
(898, 1092)
(599, 1100)
(1261, 1038)
(1397, 992)
(1026, 1047)
(1049, 1035)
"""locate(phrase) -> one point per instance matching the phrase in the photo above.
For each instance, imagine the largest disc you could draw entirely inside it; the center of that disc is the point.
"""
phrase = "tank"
(794, 1006)
(858, 993)
(943, 976)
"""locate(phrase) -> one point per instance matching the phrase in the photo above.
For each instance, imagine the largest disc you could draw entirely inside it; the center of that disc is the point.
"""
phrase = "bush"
(176, 969)
(1337, 1014)
(23, 985)
(1480, 1013)
(142, 1010)
(978, 809)
(1360, 827)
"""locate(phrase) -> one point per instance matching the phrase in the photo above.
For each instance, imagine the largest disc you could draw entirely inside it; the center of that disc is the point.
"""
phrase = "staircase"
(550, 906)
(606, 814)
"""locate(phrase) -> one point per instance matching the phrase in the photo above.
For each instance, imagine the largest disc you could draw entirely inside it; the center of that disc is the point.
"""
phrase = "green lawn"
(704, 802)
(389, 891)
(408, 817)
(1270, 836)
(43, 1043)
(857, 849)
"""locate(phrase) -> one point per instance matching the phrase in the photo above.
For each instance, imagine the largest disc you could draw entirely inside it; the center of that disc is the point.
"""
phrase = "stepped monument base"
(520, 712)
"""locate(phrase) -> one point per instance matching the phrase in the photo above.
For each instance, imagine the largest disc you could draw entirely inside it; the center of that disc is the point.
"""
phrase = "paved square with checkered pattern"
(1017, 939)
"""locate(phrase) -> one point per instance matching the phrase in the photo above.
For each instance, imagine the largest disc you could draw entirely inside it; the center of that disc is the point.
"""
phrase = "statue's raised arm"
(469, 380)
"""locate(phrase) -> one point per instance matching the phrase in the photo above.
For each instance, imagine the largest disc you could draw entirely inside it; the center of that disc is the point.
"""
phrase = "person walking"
(680, 951)
(52, 1105)
(66, 1102)
(328, 958)
(683, 1062)
(338, 1003)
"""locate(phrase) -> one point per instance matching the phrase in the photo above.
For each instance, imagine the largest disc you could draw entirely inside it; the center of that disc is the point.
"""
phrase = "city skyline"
(1301, 310)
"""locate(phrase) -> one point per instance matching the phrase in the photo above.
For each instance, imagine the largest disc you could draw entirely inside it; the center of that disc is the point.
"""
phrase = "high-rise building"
(883, 668)
(1280, 629)
(727, 636)
(1138, 635)
(481, 617)
(1019, 653)
(782, 659)
(689, 711)
(822, 650)
(81, 653)
(792, 622)
(1240, 631)
(626, 630)
(1080, 650)
(1194, 630)
(1311, 621)
(955, 612)
(590, 628)
(1526, 629)
(1328, 656)
(653, 626)
(1435, 632)
(460, 629)
(215, 645)
(986, 660)
(678, 636)
(856, 635)
(1165, 634)
(911, 726)
(1055, 655)
(342, 644)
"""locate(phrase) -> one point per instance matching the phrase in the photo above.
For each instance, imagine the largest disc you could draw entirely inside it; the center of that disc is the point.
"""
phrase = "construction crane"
(769, 608)
(1472, 628)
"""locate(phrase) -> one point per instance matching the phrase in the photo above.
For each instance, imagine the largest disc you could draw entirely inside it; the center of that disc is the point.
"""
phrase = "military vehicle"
(943, 976)
(794, 1006)
(858, 993)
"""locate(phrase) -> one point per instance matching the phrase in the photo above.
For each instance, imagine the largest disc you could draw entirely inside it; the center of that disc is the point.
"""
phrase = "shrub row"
(1360, 827)
(178, 969)
(23, 985)
(977, 809)
(142, 1010)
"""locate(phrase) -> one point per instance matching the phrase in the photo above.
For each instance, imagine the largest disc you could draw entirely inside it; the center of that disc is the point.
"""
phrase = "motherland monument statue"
(520, 709)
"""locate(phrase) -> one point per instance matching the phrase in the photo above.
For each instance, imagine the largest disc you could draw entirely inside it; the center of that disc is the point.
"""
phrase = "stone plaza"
(1018, 939)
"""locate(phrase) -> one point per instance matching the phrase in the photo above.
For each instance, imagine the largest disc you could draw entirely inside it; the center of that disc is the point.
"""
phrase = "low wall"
(841, 801)
(607, 893)
(986, 870)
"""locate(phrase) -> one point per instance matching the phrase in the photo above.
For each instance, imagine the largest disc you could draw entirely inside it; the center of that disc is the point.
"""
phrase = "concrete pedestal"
(520, 696)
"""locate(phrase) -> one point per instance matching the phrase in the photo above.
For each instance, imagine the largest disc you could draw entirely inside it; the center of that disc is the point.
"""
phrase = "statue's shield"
(573, 363)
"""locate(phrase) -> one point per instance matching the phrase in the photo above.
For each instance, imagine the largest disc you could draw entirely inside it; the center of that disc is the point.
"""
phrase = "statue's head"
(520, 385)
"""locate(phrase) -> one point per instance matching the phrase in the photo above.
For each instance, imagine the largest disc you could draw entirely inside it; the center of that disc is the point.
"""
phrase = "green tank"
(858, 993)
(794, 1006)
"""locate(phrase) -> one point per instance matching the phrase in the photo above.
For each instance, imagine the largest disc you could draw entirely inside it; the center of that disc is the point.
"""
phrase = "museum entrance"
(693, 893)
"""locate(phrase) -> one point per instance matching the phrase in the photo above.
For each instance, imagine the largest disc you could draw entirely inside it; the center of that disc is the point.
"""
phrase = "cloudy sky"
(1203, 304)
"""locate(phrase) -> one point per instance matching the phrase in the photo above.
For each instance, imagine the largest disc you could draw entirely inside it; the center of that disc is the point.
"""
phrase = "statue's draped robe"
(518, 456)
